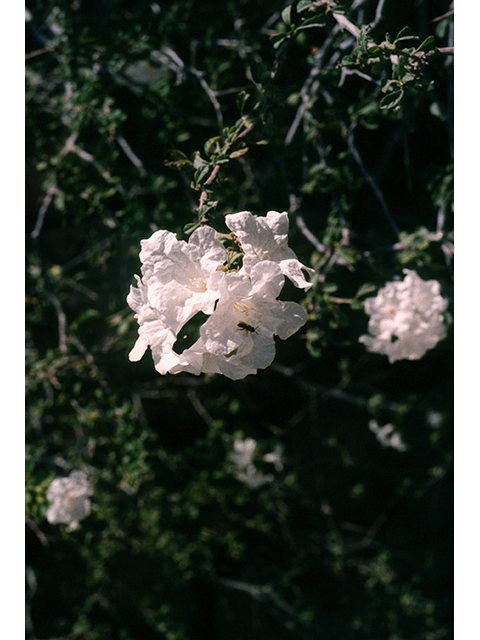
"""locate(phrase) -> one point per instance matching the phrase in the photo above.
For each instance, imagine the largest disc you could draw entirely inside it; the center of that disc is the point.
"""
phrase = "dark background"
(351, 540)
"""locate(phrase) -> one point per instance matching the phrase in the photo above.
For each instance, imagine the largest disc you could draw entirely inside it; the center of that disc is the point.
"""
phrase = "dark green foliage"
(144, 116)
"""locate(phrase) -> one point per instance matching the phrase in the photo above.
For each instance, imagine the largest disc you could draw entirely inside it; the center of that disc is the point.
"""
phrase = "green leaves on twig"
(407, 60)
(298, 16)
(204, 168)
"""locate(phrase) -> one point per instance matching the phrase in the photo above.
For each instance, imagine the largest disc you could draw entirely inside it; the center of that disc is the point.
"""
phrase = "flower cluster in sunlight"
(406, 318)
(182, 279)
(69, 499)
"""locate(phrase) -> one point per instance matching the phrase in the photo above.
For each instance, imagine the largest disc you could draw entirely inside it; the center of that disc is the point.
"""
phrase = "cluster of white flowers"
(406, 318)
(180, 279)
(242, 458)
(387, 436)
(70, 499)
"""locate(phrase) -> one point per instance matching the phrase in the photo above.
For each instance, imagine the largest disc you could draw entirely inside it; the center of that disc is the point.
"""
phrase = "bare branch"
(43, 210)
(135, 160)
(371, 182)
(62, 321)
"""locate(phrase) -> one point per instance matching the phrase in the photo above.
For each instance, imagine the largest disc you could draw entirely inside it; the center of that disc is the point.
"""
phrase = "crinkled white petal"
(238, 338)
(266, 239)
(181, 279)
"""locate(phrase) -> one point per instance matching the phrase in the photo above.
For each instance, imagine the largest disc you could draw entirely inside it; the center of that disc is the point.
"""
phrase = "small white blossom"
(275, 457)
(406, 318)
(243, 452)
(266, 238)
(242, 457)
(387, 436)
(70, 499)
(434, 419)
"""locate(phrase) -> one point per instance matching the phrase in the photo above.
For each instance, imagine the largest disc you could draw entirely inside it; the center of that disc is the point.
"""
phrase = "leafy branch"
(409, 62)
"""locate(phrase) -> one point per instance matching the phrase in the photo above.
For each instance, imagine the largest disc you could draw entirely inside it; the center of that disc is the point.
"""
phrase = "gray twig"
(371, 182)
(135, 160)
(43, 210)
(62, 321)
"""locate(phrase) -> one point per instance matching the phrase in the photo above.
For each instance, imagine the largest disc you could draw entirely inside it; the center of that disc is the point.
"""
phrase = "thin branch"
(43, 210)
(345, 23)
(300, 222)
(212, 97)
(62, 321)
(39, 52)
(199, 408)
(324, 392)
(34, 527)
(371, 182)
(378, 14)
(266, 593)
(135, 160)
(449, 14)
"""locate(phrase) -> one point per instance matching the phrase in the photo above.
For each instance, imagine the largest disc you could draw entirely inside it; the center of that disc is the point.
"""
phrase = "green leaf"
(428, 44)
(362, 42)
(200, 174)
(189, 333)
(242, 98)
(365, 289)
(202, 168)
(348, 61)
(405, 34)
(392, 99)
(208, 206)
(198, 161)
(178, 160)
(304, 5)
(278, 39)
(315, 21)
(190, 228)
(212, 142)
(287, 14)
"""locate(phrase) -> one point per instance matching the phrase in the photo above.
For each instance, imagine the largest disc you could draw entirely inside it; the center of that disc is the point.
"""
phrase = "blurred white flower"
(406, 318)
(70, 499)
(275, 457)
(387, 436)
(242, 457)
(243, 452)
(434, 419)
(266, 238)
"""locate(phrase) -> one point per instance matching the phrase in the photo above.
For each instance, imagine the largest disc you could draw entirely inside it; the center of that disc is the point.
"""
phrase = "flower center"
(197, 284)
(242, 307)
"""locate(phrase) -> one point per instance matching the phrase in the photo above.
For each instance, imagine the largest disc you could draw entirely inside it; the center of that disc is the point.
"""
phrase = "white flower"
(243, 452)
(70, 499)
(179, 279)
(238, 338)
(275, 457)
(406, 318)
(266, 238)
(387, 436)
(242, 457)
